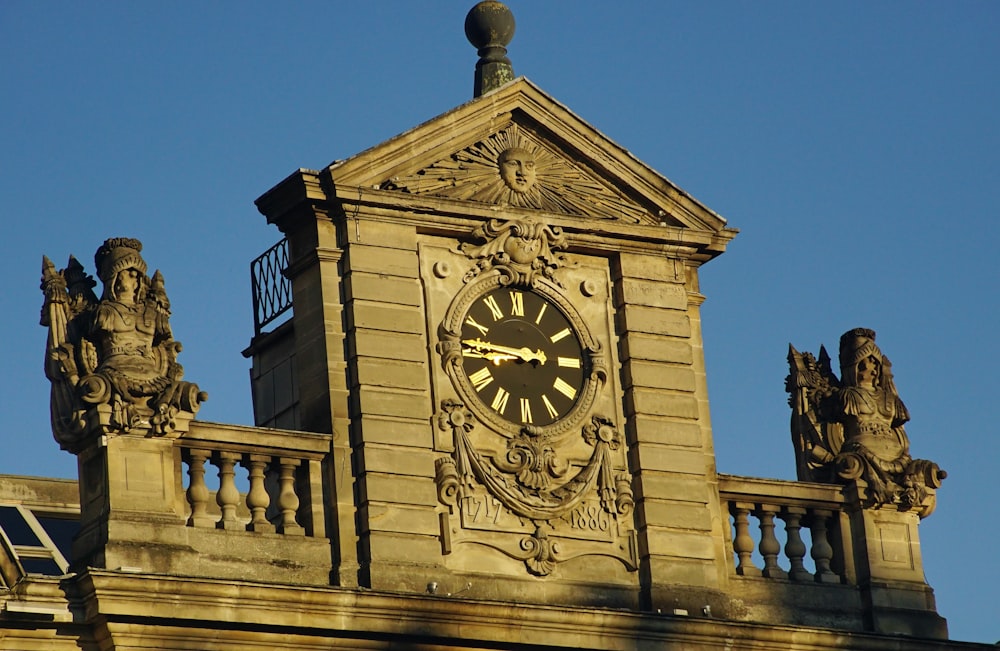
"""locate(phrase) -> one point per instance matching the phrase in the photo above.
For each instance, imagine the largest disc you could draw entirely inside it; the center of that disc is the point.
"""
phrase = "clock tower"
(496, 315)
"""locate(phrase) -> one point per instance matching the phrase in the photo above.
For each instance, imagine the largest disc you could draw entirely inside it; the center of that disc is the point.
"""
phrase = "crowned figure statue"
(113, 359)
(851, 429)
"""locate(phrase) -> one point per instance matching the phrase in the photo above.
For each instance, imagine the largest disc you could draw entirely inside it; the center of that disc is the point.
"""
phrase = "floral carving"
(851, 429)
(114, 357)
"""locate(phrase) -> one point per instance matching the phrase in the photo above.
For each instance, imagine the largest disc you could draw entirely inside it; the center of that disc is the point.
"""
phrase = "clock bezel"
(453, 361)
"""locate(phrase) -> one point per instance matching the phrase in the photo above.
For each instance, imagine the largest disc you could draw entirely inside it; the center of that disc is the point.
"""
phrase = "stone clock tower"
(484, 425)
(497, 316)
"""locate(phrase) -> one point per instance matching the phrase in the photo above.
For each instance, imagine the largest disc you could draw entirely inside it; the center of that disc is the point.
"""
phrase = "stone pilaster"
(390, 406)
(299, 208)
(669, 436)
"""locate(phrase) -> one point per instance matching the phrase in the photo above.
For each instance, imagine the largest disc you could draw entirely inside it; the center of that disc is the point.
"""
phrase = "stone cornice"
(195, 610)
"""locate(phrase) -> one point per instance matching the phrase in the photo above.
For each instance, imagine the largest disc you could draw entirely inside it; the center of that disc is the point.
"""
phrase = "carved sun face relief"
(517, 168)
(522, 356)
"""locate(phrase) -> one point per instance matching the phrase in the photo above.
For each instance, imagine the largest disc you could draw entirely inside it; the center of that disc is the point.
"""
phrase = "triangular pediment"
(568, 168)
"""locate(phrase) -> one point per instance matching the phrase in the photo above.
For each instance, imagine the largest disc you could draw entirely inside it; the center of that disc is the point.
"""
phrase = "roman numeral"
(562, 334)
(491, 302)
(499, 403)
(481, 328)
(525, 410)
(538, 319)
(481, 378)
(569, 362)
(564, 388)
(549, 408)
(516, 304)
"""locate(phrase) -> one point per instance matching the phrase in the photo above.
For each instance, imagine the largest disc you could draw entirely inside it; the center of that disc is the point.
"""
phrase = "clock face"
(522, 356)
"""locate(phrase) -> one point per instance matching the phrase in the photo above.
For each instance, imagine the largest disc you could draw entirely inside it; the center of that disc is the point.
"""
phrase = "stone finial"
(489, 26)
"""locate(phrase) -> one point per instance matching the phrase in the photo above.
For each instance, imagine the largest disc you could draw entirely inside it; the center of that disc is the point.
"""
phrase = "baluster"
(743, 542)
(257, 498)
(288, 501)
(769, 545)
(795, 549)
(822, 552)
(197, 492)
(228, 496)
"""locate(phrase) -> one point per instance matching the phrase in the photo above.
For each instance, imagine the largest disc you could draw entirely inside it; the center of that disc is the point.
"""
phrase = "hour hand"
(524, 354)
(495, 358)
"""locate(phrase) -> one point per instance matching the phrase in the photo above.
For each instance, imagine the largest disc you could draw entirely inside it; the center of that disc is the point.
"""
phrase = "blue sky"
(854, 144)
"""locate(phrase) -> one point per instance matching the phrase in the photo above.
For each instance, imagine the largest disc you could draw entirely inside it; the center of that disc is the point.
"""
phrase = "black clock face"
(522, 356)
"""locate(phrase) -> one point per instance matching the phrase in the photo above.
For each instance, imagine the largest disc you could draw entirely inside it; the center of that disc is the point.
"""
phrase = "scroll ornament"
(851, 429)
(528, 480)
(521, 250)
(112, 359)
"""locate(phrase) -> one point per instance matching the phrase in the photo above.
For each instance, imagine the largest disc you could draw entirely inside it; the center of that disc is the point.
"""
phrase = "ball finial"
(489, 26)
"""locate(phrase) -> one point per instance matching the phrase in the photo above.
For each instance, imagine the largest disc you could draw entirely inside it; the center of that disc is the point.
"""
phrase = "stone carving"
(113, 359)
(511, 168)
(517, 168)
(518, 254)
(520, 250)
(851, 429)
(529, 483)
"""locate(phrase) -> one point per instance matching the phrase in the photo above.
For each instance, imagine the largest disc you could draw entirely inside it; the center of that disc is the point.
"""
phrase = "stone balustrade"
(814, 530)
(284, 473)
(802, 552)
(252, 507)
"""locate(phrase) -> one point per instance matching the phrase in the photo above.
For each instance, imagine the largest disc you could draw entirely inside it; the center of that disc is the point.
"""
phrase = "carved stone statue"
(113, 359)
(851, 429)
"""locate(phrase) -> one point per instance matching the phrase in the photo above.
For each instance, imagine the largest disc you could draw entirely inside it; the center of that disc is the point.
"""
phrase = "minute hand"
(525, 354)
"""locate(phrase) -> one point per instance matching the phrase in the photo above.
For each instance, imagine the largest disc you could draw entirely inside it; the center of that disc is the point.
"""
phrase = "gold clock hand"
(495, 358)
(524, 354)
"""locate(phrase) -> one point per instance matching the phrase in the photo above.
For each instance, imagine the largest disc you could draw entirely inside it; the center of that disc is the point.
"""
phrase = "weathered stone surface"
(678, 514)
(661, 403)
(654, 320)
(396, 460)
(387, 345)
(398, 431)
(390, 402)
(658, 268)
(636, 345)
(670, 459)
(662, 430)
(397, 489)
(381, 261)
(390, 373)
(673, 542)
(398, 518)
(682, 488)
(651, 293)
(381, 287)
(372, 315)
(658, 376)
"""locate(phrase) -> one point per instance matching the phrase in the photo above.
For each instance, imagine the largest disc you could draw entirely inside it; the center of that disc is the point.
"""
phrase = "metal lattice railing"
(272, 291)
